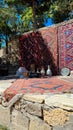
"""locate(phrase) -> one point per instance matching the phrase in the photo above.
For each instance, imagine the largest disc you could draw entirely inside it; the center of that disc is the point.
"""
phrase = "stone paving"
(5, 83)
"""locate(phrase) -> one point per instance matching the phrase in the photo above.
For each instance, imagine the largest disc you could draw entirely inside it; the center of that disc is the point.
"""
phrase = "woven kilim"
(39, 48)
(50, 36)
(39, 85)
(65, 42)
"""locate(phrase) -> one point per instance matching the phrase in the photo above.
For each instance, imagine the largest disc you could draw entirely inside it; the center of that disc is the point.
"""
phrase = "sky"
(49, 22)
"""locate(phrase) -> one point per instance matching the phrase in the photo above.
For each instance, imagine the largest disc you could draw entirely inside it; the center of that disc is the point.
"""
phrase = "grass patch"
(3, 127)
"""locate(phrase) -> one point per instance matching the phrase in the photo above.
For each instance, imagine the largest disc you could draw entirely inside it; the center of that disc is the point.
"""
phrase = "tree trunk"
(34, 15)
(6, 45)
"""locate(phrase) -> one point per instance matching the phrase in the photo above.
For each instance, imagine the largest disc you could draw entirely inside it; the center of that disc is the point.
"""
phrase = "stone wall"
(37, 112)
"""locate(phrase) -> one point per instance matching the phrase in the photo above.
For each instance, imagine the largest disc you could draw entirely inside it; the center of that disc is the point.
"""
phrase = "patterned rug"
(39, 48)
(38, 85)
(65, 41)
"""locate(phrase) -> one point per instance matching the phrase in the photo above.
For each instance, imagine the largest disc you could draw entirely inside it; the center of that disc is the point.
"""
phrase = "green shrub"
(3, 127)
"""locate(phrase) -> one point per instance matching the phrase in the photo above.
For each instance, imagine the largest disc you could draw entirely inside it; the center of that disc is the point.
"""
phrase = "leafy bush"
(3, 127)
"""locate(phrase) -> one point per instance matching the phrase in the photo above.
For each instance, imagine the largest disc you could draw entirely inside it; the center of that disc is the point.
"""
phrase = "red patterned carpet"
(65, 41)
(39, 85)
(39, 48)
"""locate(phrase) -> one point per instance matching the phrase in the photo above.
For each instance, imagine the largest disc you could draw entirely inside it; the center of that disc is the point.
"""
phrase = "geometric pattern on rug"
(50, 36)
(39, 48)
(38, 85)
(65, 43)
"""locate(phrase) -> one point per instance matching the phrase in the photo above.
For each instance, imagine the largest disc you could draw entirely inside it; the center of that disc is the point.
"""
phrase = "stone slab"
(35, 97)
(38, 125)
(32, 108)
(64, 101)
(4, 116)
(18, 119)
(68, 126)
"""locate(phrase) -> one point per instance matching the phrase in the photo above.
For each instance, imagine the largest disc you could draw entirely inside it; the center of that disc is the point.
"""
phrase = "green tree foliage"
(8, 19)
(34, 12)
(6, 13)
(37, 11)
(60, 10)
(27, 18)
(9, 24)
(5, 16)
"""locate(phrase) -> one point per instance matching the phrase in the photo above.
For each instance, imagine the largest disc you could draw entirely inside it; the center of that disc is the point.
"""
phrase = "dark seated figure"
(3, 69)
